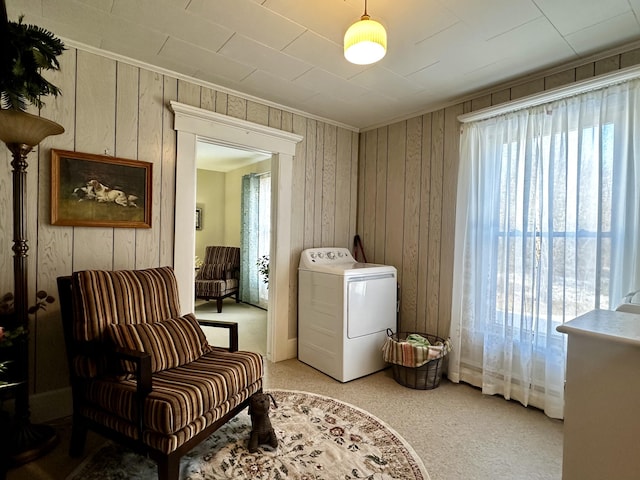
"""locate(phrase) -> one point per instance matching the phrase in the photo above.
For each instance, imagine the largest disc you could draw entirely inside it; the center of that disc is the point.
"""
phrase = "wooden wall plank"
(411, 228)
(329, 186)
(630, 58)
(167, 225)
(561, 78)
(529, 88)
(127, 78)
(188, 93)
(257, 113)
(585, 71)
(435, 221)
(353, 176)
(481, 102)
(425, 214)
(297, 215)
(317, 192)
(501, 97)
(309, 143)
(222, 102)
(607, 65)
(395, 196)
(286, 120)
(236, 107)
(208, 99)
(150, 130)
(6, 221)
(360, 190)
(449, 196)
(382, 162)
(95, 133)
(343, 189)
(367, 232)
(275, 120)
(52, 253)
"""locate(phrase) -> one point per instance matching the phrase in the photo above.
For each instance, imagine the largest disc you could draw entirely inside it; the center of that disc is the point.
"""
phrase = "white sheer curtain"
(547, 228)
(264, 242)
(255, 232)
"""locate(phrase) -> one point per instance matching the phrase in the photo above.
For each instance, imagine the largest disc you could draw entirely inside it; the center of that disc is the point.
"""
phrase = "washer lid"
(351, 269)
(338, 261)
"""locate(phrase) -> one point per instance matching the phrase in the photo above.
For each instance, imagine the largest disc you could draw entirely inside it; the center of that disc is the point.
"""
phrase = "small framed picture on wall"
(198, 218)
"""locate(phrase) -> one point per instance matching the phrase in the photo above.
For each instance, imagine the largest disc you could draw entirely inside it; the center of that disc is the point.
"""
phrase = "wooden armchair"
(218, 278)
(143, 374)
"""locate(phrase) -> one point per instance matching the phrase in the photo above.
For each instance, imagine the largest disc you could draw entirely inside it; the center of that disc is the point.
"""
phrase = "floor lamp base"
(31, 441)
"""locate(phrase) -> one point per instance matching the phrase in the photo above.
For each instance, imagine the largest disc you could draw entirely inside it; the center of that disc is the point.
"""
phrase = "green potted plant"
(27, 51)
(263, 268)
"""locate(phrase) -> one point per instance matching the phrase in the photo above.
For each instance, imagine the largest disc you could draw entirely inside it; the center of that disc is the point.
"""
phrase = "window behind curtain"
(548, 218)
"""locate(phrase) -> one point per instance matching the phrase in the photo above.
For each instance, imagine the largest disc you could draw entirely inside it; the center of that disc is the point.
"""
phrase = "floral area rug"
(319, 438)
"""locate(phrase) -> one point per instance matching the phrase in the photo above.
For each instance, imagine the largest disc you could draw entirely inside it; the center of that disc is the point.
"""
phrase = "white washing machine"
(344, 310)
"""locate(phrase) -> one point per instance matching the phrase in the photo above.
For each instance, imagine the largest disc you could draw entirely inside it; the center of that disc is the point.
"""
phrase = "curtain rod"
(553, 94)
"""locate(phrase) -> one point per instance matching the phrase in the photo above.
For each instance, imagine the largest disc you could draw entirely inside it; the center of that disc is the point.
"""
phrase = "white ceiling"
(289, 52)
(210, 156)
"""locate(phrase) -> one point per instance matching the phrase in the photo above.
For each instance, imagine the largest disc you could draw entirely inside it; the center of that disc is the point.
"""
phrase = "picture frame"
(89, 190)
(198, 218)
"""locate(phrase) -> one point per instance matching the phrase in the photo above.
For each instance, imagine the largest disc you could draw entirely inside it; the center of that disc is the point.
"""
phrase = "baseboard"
(51, 405)
(292, 348)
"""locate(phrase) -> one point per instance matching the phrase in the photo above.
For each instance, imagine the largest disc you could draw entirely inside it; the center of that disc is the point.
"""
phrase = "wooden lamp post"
(21, 131)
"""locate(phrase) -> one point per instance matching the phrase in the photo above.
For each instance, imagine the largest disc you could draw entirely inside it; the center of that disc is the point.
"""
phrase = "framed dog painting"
(90, 190)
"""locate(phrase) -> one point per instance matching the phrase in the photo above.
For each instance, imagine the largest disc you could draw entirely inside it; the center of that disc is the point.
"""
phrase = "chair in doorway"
(218, 277)
(142, 373)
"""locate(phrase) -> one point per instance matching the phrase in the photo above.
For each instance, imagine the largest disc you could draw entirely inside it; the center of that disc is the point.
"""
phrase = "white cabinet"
(602, 397)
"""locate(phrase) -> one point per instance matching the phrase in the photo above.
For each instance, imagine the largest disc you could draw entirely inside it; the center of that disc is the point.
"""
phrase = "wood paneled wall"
(407, 180)
(122, 110)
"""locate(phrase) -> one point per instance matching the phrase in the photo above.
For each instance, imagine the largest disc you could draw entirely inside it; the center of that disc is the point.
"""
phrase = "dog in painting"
(84, 193)
(103, 193)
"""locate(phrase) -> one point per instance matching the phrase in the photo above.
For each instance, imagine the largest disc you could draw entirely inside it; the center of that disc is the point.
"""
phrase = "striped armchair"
(142, 373)
(218, 278)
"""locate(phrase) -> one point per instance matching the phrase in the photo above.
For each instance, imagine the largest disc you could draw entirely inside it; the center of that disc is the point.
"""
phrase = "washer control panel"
(326, 256)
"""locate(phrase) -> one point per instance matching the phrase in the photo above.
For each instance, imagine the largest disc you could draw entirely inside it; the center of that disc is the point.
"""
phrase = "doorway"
(192, 123)
(233, 203)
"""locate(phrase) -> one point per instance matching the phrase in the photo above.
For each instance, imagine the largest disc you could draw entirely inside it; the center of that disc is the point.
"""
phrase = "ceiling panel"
(251, 19)
(171, 19)
(290, 51)
(250, 52)
(608, 33)
(205, 61)
(316, 50)
(283, 92)
(570, 16)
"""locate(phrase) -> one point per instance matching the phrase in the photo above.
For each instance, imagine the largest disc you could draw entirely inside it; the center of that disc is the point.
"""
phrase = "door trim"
(191, 123)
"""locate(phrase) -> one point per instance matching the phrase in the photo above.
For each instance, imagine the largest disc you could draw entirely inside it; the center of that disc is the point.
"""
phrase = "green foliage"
(29, 50)
(263, 268)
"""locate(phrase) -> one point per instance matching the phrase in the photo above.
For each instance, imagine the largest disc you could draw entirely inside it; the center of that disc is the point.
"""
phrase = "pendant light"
(365, 41)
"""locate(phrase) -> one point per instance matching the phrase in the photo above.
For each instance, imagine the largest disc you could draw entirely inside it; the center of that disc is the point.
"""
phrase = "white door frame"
(191, 123)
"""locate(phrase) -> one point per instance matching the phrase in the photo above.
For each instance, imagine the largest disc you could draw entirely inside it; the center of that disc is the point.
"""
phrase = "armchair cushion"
(216, 271)
(171, 343)
(180, 396)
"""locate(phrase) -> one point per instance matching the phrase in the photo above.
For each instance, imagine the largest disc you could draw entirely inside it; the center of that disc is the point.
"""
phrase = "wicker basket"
(425, 377)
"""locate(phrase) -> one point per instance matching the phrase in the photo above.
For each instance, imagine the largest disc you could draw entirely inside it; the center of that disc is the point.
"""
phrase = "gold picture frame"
(89, 190)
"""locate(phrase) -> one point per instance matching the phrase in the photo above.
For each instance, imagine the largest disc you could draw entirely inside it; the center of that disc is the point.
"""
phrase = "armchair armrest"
(231, 326)
(142, 361)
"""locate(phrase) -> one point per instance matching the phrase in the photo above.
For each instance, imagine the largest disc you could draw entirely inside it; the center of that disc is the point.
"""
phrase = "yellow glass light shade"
(22, 128)
(365, 42)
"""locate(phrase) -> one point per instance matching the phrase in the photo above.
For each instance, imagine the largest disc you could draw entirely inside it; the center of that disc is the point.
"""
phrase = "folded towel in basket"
(412, 353)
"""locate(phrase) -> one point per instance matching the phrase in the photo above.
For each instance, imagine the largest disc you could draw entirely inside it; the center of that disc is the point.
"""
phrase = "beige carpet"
(317, 438)
(458, 433)
(252, 324)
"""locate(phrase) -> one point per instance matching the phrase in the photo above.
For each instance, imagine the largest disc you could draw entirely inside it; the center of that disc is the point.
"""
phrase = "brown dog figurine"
(262, 432)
